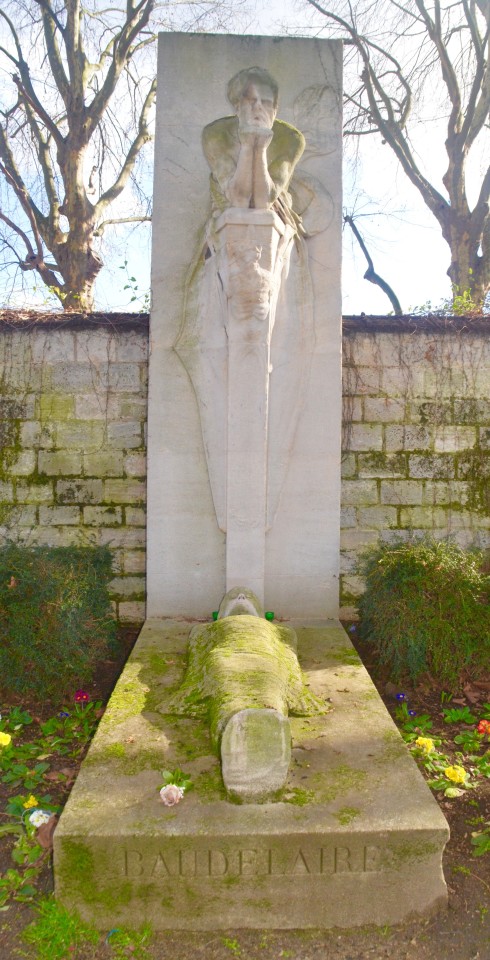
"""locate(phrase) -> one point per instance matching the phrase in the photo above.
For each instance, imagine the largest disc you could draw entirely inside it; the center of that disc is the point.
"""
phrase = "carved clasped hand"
(255, 136)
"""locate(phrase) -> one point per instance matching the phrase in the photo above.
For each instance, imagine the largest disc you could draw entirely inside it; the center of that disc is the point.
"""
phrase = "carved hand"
(255, 136)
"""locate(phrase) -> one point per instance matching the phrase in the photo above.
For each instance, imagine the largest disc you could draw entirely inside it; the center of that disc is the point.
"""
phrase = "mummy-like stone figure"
(243, 675)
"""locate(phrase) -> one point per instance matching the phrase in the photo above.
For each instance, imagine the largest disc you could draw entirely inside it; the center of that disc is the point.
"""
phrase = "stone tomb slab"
(356, 838)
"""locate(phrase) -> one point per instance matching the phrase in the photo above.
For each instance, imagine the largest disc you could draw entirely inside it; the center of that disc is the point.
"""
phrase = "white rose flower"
(171, 794)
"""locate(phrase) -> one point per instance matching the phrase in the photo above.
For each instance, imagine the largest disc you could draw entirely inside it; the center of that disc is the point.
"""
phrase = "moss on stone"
(117, 750)
(346, 815)
(435, 412)
(76, 872)
(402, 854)
(386, 464)
(345, 655)
(129, 697)
(340, 780)
(242, 662)
(157, 663)
(124, 764)
(56, 406)
(473, 467)
(209, 786)
(394, 747)
(299, 796)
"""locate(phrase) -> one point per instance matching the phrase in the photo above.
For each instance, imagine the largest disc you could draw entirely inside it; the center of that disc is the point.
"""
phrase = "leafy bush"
(426, 607)
(55, 616)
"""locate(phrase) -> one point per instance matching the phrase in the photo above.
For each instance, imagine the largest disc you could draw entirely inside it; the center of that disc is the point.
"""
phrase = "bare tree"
(74, 118)
(423, 66)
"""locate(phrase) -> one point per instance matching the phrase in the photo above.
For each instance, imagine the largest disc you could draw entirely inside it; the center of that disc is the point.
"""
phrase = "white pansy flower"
(38, 817)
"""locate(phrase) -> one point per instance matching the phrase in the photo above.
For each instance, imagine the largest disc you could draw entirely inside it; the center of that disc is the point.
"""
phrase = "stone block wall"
(416, 436)
(72, 440)
(73, 437)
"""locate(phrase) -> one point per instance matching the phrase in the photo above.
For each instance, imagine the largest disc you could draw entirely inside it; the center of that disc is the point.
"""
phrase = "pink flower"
(171, 794)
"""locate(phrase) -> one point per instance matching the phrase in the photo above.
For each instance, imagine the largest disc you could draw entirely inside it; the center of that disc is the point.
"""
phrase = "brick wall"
(73, 446)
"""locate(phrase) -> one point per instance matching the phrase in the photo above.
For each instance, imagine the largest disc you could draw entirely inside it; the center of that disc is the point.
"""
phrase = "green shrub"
(55, 617)
(426, 607)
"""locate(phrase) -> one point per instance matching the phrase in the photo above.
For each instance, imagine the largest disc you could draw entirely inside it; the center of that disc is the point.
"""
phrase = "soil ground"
(462, 932)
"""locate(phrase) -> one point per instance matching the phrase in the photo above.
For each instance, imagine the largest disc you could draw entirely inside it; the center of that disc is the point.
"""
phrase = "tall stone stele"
(244, 417)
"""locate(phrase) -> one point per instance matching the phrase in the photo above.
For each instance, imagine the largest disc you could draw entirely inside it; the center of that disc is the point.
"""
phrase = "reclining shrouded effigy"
(243, 675)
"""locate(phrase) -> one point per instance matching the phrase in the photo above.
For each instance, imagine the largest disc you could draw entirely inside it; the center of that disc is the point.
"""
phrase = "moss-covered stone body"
(238, 663)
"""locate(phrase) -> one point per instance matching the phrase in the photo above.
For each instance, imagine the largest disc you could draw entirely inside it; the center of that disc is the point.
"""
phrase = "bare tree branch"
(137, 19)
(106, 223)
(75, 118)
(370, 273)
(51, 25)
(397, 60)
(142, 137)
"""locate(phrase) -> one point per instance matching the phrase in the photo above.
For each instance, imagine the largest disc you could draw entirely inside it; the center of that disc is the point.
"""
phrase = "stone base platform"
(356, 837)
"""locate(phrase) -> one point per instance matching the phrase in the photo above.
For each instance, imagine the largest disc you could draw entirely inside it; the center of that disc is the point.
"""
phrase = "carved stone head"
(253, 94)
(240, 602)
(257, 76)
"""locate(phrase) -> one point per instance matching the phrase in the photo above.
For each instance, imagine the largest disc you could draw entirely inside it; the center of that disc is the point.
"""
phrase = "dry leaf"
(471, 694)
(44, 835)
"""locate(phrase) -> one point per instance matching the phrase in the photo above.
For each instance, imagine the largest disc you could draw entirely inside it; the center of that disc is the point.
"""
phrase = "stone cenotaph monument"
(245, 389)
(246, 772)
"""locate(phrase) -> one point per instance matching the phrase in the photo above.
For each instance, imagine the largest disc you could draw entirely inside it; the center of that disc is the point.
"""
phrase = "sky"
(403, 238)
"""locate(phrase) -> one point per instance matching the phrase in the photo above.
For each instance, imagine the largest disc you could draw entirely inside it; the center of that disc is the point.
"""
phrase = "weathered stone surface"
(59, 516)
(255, 754)
(298, 566)
(135, 561)
(98, 516)
(366, 436)
(124, 491)
(33, 493)
(125, 435)
(356, 838)
(56, 462)
(401, 492)
(359, 492)
(103, 463)
(132, 611)
(23, 463)
(79, 491)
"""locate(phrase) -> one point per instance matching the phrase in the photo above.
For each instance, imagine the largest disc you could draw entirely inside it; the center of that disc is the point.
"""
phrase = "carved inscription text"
(253, 862)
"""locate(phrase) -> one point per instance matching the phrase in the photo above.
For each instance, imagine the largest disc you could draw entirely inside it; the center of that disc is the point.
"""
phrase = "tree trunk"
(78, 262)
(469, 270)
(80, 266)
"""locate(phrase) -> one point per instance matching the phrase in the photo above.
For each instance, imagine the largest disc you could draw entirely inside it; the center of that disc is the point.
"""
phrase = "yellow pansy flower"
(5, 739)
(30, 802)
(425, 744)
(456, 774)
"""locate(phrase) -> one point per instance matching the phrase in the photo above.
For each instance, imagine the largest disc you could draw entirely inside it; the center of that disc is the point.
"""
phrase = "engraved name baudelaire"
(253, 861)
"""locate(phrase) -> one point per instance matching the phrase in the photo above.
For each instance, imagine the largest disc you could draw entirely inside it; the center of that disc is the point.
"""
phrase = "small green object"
(269, 614)
(215, 614)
